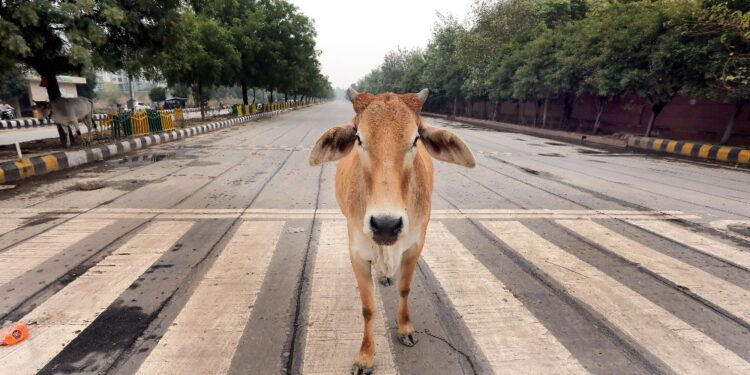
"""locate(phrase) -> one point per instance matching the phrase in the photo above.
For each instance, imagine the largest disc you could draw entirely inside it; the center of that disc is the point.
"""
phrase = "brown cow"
(384, 189)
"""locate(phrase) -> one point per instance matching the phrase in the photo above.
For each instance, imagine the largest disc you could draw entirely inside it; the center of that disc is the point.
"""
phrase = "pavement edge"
(17, 170)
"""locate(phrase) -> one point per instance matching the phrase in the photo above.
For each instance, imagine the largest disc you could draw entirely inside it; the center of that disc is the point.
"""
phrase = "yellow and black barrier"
(706, 151)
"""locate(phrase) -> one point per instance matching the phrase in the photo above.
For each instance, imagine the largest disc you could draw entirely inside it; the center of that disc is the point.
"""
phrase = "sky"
(355, 35)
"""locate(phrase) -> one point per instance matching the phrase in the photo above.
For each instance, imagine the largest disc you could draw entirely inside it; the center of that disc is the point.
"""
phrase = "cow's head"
(44, 109)
(387, 134)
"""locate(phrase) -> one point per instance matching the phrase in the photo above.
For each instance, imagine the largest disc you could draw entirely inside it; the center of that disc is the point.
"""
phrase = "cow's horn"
(351, 94)
(422, 95)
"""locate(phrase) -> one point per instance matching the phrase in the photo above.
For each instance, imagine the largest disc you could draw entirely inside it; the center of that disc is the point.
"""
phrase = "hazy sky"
(355, 35)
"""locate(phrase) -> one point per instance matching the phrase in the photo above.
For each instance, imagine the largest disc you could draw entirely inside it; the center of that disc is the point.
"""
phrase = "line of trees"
(538, 50)
(197, 43)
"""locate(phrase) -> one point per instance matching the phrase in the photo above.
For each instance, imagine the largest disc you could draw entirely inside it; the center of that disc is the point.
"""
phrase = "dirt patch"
(90, 185)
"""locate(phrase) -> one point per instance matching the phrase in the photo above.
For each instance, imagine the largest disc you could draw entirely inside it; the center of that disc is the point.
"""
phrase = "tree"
(443, 70)
(716, 38)
(12, 83)
(203, 57)
(110, 93)
(88, 89)
(179, 90)
(56, 37)
(157, 94)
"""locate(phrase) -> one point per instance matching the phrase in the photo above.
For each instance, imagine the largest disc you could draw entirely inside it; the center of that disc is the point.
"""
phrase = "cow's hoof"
(360, 370)
(409, 339)
(385, 281)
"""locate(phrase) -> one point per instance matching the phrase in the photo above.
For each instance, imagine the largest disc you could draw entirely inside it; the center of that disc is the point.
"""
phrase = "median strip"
(17, 170)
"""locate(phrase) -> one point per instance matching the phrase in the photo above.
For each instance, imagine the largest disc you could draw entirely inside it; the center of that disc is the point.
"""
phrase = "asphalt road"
(226, 253)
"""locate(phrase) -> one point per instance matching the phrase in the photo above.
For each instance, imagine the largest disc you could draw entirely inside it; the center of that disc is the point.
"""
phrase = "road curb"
(698, 150)
(17, 170)
(577, 138)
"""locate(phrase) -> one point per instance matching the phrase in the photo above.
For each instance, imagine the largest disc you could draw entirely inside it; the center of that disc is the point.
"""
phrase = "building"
(36, 93)
(67, 87)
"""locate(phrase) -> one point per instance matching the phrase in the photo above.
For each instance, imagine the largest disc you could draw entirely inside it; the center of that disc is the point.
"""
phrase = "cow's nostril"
(386, 228)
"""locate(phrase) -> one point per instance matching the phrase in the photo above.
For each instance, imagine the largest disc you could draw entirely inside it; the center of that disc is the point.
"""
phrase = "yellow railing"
(166, 122)
(139, 120)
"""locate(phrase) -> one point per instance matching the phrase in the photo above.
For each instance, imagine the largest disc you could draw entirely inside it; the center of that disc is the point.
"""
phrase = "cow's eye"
(415, 141)
(359, 140)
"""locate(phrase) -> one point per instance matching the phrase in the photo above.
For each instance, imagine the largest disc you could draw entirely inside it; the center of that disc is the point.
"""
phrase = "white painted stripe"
(701, 243)
(29, 254)
(680, 346)
(205, 335)
(509, 335)
(334, 322)
(721, 293)
(8, 224)
(57, 321)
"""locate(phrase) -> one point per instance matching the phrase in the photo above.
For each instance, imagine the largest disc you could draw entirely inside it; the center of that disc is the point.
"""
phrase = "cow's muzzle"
(385, 229)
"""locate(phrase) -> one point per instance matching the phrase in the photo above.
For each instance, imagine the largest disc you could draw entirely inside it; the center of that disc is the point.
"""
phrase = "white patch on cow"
(386, 259)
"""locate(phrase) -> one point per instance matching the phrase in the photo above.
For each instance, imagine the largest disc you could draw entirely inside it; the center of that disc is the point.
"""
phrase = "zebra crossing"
(499, 326)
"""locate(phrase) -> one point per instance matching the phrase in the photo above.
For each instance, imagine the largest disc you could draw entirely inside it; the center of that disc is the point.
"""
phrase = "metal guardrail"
(98, 117)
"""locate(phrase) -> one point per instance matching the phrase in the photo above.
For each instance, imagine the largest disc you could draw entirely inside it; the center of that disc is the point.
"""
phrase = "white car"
(140, 105)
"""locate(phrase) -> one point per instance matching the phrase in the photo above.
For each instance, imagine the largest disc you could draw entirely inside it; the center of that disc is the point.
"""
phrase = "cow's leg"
(408, 264)
(65, 135)
(365, 359)
(89, 128)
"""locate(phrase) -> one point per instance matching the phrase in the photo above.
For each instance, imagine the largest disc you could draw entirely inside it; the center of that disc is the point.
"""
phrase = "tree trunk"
(544, 112)
(131, 101)
(601, 105)
(568, 102)
(254, 101)
(728, 131)
(200, 100)
(656, 108)
(455, 106)
(271, 98)
(53, 87)
(286, 97)
(519, 115)
(494, 111)
(244, 92)
(537, 104)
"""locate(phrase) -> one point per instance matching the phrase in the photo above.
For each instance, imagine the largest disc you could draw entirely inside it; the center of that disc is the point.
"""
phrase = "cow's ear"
(446, 146)
(333, 145)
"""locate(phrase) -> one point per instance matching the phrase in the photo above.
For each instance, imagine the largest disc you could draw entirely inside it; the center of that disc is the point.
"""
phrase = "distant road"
(225, 253)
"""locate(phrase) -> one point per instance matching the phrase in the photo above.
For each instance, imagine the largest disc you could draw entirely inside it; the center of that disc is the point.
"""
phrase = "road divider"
(17, 170)
(706, 151)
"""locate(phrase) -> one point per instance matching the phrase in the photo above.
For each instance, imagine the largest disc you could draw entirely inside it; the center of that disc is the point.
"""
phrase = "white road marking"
(59, 319)
(205, 335)
(509, 335)
(8, 224)
(677, 344)
(723, 294)
(335, 214)
(334, 322)
(27, 255)
(701, 243)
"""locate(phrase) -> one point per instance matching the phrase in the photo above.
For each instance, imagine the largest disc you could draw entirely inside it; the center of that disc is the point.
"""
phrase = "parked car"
(141, 105)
